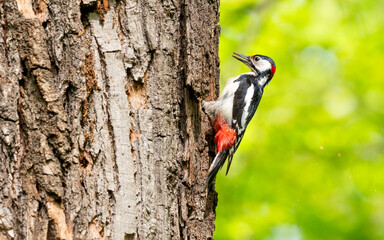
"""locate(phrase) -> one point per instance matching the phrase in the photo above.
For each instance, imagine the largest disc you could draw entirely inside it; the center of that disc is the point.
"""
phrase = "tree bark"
(101, 130)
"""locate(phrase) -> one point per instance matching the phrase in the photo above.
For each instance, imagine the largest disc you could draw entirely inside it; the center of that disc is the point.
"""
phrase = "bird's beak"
(242, 58)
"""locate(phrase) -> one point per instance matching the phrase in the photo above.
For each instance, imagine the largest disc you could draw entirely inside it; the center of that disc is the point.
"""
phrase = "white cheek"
(263, 65)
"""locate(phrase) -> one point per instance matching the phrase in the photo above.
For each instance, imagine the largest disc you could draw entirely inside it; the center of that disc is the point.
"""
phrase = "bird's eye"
(256, 58)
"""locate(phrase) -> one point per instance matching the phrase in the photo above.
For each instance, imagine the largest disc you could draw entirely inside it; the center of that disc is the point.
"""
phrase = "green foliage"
(311, 163)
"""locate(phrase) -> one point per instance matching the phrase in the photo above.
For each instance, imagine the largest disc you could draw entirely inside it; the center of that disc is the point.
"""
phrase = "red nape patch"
(225, 136)
(273, 70)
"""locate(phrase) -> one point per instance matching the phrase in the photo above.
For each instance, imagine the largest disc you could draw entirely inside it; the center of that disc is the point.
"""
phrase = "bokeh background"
(311, 163)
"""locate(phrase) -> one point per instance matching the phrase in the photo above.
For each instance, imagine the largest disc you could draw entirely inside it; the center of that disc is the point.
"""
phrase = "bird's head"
(263, 66)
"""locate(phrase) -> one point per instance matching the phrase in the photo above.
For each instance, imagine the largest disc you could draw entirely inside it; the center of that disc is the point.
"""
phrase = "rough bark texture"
(101, 132)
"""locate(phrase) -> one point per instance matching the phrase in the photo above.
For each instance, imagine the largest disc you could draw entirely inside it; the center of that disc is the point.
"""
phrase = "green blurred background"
(311, 163)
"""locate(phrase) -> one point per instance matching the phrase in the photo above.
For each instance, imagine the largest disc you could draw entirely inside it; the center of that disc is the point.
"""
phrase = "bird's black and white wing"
(248, 97)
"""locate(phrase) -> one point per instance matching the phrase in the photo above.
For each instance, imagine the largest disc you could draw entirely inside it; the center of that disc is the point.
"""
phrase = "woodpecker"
(235, 107)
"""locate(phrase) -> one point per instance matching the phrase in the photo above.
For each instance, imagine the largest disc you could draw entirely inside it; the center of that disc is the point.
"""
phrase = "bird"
(234, 108)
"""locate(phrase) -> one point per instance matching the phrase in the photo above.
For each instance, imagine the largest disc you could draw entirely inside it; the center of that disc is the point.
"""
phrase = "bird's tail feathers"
(216, 165)
(229, 162)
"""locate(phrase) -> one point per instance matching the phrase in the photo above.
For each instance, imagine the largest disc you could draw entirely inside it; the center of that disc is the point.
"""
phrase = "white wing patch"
(248, 100)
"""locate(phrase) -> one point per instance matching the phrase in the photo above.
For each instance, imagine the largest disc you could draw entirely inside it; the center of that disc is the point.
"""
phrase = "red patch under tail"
(225, 136)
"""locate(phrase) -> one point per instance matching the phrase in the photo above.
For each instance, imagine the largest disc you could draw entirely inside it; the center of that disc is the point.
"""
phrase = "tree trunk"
(101, 131)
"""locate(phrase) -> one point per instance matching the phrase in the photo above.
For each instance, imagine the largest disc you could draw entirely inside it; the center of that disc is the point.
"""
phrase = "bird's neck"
(262, 80)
